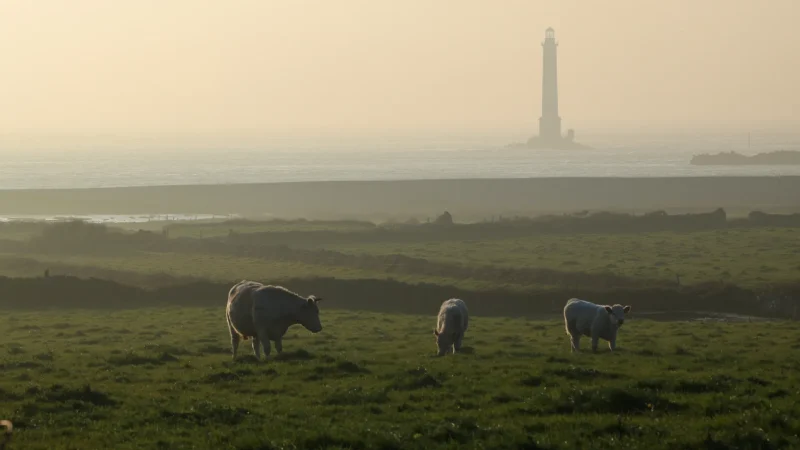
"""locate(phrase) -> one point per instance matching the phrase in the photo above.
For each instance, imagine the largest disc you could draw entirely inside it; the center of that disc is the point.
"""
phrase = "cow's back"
(453, 316)
(274, 304)
(581, 314)
(240, 307)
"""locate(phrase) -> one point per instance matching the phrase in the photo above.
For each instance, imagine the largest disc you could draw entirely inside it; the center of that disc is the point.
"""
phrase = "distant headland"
(777, 158)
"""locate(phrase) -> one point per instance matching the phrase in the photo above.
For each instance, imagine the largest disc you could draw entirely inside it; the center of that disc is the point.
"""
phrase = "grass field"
(163, 378)
(748, 257)
(745, 257)
(212, 267)
(207, 230)
(224, 268)
(20, 231)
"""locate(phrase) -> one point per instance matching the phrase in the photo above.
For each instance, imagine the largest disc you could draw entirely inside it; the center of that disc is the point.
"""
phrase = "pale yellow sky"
(143, 66)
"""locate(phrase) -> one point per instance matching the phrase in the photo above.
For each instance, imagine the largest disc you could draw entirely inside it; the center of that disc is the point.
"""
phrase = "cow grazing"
(584, 318)
(264, 313)
(451, 325)
(6, 434)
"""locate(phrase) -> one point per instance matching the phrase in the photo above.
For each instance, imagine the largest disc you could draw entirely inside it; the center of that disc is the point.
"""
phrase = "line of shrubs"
(443, 228)
(394, 297)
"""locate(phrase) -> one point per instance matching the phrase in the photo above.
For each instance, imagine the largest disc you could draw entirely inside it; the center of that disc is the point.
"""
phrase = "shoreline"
(475, 198)
(402, 180)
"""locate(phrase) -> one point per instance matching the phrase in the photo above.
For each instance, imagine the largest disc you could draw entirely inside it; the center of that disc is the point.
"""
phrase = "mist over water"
(135, 163)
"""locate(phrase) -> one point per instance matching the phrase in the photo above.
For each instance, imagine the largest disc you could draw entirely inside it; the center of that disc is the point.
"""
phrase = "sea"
(121, 162)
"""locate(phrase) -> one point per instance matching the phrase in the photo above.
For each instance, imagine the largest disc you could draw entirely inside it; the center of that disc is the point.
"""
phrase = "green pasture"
(164, 379)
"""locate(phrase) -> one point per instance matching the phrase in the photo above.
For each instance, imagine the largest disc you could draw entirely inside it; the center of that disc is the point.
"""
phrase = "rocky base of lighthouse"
(549, 144)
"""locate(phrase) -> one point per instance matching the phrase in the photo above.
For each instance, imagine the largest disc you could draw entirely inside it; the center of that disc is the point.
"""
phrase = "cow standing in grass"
(6, 434)
(584, 318)
(264, 313)
(451, 325)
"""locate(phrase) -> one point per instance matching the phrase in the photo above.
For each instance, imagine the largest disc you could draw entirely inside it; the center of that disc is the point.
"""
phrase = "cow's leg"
(263, 337)
(595, 340)
(457, 342)
(575, 336)
(235, 344)
(575, 340)
(235, 338)
(256, 347)
(612, 344)
(267, 347)
(279, 345)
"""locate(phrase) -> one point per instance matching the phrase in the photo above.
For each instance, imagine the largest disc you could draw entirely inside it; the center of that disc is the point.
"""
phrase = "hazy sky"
(143, 66)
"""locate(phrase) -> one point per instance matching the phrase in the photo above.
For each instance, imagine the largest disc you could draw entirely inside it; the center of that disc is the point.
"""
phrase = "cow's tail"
(567, 318)
(234, 330)
(231, 295)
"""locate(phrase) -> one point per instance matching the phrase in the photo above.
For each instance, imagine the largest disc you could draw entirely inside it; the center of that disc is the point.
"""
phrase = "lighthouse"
(550, 122)
(550, 136)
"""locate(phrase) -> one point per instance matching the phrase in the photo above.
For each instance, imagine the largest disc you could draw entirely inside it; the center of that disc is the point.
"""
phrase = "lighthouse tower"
(550, 122)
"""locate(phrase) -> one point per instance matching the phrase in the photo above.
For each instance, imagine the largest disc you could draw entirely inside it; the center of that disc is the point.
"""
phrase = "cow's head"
(443, 341)
(616, 314)
(308, 316)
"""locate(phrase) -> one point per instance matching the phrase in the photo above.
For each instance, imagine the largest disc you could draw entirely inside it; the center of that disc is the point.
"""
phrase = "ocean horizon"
(134, 163)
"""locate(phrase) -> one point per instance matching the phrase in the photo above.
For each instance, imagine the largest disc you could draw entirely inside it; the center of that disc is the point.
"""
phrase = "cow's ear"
(627, 309)
(311, 300)
(608, 309)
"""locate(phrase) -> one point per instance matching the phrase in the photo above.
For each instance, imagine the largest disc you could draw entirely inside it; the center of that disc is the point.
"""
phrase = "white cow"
(450, 325)
(264, 313)
(6, 434)
(584, 318)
